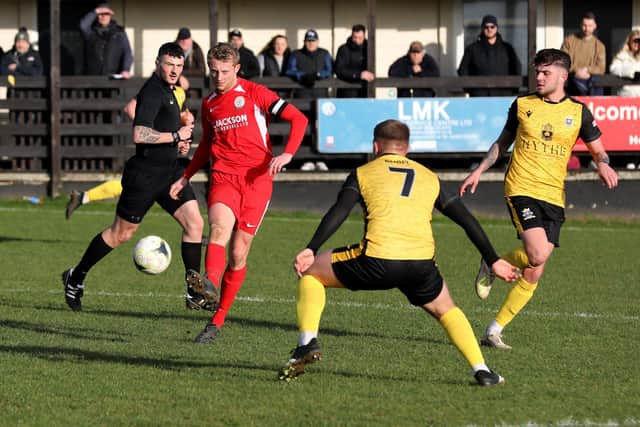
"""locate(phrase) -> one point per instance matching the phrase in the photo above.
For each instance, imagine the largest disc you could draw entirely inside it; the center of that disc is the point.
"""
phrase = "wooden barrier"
(96, 134)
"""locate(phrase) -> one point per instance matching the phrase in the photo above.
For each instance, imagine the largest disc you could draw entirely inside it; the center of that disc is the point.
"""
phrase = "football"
(152, 255)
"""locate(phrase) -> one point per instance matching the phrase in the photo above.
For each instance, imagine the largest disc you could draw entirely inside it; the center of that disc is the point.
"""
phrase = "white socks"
(305, 337)
(494, 328)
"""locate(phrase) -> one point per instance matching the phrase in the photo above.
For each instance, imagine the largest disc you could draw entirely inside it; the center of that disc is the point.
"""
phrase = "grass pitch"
(128, 359)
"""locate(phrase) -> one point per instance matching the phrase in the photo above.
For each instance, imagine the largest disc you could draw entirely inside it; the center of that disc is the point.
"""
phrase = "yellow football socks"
(461, 335)
(310, 304)
(516, 299)
(107, 190)
(517, 257)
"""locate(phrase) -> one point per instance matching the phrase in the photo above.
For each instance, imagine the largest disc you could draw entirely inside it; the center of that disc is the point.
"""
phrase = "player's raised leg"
(537, 249)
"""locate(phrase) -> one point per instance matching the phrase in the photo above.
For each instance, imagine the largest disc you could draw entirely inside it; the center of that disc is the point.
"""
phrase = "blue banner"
(438, 125)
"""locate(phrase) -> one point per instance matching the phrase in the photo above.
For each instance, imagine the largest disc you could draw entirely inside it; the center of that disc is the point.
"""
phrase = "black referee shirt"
(158, 109)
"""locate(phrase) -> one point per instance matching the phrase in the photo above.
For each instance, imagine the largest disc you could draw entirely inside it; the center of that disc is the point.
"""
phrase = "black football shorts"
(527, 212)
(419, 280)
(144, 183)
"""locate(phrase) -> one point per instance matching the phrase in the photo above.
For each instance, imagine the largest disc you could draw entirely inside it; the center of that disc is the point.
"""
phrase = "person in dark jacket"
(21, 60)
(489, 55)
(194, 63)
(309, 64)
(416, 63)
(274, 56)
(249, 67)
(108, 52)
(351, 64)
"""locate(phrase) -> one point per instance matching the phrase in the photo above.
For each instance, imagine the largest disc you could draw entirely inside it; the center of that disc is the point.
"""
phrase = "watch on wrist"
(176, 137)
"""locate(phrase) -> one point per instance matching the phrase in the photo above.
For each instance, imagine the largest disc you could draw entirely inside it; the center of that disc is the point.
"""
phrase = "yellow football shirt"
(545, 134)
(398, 196)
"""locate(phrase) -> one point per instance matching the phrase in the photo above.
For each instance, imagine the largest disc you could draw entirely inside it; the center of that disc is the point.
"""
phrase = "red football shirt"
(234, 130)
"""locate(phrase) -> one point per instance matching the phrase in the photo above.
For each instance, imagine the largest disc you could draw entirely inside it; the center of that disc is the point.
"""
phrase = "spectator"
(108, 52)
(416, 63)
(194, 65)
(21, 60)
(309, 64)
(249, 67)
(274, 56)
(588, 57)
(489, 55)
(351, 64)
(626, 64)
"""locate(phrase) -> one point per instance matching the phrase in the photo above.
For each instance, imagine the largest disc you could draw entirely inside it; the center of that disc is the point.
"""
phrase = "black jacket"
(351, 60)
(107, 49)
(249, 67)
(28, 64)
(402, 68)
(306, 67)
(483, 59)
(271, 68)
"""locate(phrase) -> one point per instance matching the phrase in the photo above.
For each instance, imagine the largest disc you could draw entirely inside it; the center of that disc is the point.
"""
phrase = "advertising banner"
(619, 120)
(457, 125)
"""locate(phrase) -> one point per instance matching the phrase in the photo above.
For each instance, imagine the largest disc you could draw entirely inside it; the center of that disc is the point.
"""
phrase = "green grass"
(128, 358)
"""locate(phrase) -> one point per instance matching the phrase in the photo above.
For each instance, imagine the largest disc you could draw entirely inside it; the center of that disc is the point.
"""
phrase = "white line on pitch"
(351, 304)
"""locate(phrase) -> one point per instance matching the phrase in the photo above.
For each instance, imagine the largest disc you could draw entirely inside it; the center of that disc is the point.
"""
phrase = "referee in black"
(146, 179)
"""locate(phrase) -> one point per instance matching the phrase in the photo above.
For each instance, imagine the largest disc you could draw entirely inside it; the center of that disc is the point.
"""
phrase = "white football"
(152, 255)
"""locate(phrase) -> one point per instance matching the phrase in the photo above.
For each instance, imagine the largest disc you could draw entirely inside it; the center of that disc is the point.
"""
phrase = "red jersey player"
(235, 117)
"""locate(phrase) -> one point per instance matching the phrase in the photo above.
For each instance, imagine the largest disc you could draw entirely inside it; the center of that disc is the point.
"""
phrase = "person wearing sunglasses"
(490, 55)
(626, 64)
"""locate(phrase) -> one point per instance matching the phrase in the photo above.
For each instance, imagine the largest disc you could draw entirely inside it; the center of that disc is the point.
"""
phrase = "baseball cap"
(489, 19)
(22, 34)
(311, 35)
(416, 47)
(184, 33)
(105, 6)
(235, 33)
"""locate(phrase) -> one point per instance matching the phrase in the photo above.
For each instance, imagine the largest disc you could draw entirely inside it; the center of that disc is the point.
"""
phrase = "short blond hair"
(224, 52)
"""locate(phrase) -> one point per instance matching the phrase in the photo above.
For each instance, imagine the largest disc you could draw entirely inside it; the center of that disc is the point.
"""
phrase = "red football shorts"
(248, 198)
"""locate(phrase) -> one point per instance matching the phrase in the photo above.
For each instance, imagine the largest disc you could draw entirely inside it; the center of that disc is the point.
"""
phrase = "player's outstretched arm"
(504, 270)
(452, 207)
(298, 126)
(303, 261)
(495, 152)
(608, 176)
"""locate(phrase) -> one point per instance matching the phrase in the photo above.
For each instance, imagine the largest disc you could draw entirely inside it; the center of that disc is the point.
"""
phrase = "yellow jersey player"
(543, 128)
(397, 251)
(113, 188)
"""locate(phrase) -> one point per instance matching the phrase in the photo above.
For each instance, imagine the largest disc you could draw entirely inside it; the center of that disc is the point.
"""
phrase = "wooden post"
(55, 182)
(371, 44)
(213, 23)
(532, 22)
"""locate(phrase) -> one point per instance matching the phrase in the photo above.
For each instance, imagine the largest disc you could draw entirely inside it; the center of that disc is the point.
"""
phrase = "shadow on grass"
(335, 332)
(205, 315)
(75, 355)
(103, 312)
(7, 239)
(84, 333)
(65, 354)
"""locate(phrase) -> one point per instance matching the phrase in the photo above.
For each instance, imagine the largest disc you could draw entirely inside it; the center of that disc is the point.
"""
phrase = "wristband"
(176, 137)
